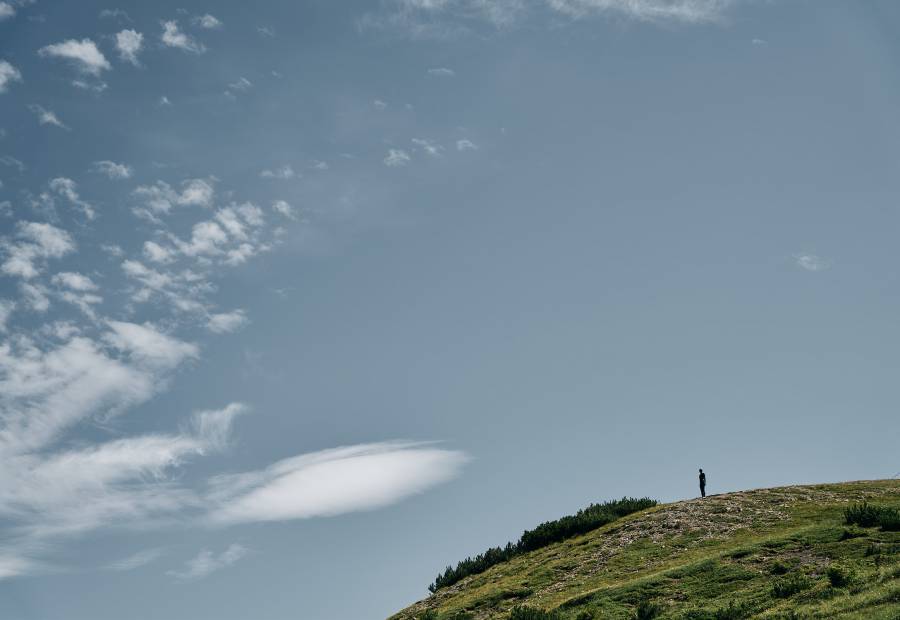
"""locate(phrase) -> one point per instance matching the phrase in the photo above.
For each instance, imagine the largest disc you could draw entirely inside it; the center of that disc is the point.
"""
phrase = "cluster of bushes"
(866, 515)
(583, 521)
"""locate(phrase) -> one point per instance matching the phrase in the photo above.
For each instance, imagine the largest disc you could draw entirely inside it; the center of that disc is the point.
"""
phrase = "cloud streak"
(206, 562)
(333, 482)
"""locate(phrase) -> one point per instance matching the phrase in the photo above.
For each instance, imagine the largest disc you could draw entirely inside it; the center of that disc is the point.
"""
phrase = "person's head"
(701, 470)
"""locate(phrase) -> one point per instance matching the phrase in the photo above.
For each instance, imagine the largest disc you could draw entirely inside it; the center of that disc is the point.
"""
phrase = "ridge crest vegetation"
(787, 553)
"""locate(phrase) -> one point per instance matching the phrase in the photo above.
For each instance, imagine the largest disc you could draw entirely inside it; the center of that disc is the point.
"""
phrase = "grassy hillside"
(769, 553)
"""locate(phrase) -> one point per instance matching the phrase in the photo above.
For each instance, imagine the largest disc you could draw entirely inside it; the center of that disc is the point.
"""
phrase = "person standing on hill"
(702, 484)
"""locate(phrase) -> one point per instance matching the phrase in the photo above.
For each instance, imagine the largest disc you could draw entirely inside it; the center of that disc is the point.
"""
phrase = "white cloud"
(6, 11)
(35, 243)
(265, 31)
(431, 148)
(34, 296)
(466, 145)
(8, 75)
(691, 11)
(136, 560)
(6, 310)
(172, 36)
(332, 482)
(227, 322)
(396, 158)
(45, 116)
(164, 101)
(207, 21)
(442, 72)
(447, 18)
(242, 83)
(811, 262)
(213, 426)
(115, 14)
(147, 345)
(84, 55)
(206, 562)
(379, 104)
(68, 189)
(112, 170)
(74, 281)
(285, 209)
(157, 253)
(160, 197)
(129, 44)
(232, 235)
(47, 392)
(283, 172)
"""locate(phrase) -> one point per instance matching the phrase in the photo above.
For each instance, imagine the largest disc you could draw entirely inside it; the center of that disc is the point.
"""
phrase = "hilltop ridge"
(783, 552)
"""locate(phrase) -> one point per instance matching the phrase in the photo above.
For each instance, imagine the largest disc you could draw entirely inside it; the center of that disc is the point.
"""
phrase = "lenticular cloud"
(332, 482)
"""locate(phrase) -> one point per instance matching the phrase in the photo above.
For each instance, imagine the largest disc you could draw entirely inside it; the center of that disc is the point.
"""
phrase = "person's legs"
(702, 491)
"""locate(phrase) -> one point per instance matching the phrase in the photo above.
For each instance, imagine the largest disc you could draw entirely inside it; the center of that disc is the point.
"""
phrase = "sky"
(302, 301)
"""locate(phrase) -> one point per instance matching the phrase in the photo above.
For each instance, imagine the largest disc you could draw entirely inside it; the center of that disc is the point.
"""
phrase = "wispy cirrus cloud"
(447, 18)
(811, 262)
(136, 560)
(206, 562)
(281, 172)
(45, 116)
(396, 158)
(68, 189)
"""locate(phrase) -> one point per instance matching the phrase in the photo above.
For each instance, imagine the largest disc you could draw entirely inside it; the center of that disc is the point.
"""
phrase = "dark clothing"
(702, 484)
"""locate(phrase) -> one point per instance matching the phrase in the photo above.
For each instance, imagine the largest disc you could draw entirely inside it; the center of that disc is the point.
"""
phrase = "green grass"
(783, 553)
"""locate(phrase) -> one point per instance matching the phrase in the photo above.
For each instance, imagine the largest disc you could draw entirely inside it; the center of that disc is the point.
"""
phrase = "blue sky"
(301, 302)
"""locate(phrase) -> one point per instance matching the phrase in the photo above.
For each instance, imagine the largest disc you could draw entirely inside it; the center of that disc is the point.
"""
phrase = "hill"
(768, 553)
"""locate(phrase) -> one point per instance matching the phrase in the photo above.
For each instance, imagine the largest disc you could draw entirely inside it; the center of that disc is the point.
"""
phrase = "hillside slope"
(768, 553)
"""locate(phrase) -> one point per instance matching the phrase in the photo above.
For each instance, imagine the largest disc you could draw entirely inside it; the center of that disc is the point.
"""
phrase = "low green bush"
(530, 613)
(778, 568)
(838, 577)
(647, 611)
(790, 585)
(866, 515)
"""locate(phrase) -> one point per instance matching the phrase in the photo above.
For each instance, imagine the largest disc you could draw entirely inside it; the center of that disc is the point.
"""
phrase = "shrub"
(790, 585)
(778, 568)
(889, 520)
(547, 533)
(584, 615)
(865, 515)
(647, 611)
(530, 613)
(428, 614)
(732, 612)
(838, 577)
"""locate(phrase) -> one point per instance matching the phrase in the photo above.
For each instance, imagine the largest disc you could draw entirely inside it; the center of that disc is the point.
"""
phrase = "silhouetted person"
(702, 484)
